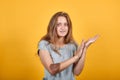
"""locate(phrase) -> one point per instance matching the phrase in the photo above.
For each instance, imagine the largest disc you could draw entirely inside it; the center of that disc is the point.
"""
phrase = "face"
(62, 26)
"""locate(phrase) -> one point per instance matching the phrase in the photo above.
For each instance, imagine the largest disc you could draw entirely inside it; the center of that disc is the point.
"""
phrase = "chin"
(62, 35)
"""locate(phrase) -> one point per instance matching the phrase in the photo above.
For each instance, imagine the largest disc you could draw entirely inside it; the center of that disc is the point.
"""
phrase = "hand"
(91, 40)
(80, 49)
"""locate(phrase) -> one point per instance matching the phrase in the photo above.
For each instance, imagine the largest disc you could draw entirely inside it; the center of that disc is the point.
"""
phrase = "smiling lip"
(62, 31)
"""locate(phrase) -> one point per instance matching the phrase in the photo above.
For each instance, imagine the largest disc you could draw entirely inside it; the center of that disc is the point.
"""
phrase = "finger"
(82, 44)
(97, 36)
(92, 40)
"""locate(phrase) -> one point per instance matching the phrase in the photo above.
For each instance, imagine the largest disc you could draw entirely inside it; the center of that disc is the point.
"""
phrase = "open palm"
(91, 40)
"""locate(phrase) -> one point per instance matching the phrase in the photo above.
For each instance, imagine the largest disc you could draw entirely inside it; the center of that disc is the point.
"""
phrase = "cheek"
(57, 29)
(67, 28)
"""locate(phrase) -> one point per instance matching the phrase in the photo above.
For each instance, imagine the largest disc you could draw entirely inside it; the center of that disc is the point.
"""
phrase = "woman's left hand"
(91, 40)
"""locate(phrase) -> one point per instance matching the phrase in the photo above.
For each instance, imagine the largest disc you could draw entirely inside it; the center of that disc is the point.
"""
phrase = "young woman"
(61, 57)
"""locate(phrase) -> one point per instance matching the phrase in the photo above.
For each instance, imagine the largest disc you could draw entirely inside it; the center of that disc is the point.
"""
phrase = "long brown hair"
(51, 35)
(51, 30)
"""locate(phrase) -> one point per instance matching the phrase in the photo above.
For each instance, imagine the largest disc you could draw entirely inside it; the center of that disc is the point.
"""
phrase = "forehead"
(61, 19)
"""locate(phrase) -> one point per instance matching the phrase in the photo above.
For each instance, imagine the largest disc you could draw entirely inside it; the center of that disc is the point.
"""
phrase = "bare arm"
(55, 68)
(78, 67)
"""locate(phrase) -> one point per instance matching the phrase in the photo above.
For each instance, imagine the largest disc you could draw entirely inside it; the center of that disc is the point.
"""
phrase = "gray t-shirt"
(66, 52)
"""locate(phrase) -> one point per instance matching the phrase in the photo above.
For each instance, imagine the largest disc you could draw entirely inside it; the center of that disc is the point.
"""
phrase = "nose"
(62, 26)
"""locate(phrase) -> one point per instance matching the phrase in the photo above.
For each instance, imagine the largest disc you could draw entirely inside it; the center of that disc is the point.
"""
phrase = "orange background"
(24, 22)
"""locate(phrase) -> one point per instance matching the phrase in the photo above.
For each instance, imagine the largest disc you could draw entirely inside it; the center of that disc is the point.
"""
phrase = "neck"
(60, 41)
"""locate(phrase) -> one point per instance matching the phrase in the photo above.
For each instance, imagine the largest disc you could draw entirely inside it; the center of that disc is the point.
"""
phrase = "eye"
(65, 24)
(58, 24)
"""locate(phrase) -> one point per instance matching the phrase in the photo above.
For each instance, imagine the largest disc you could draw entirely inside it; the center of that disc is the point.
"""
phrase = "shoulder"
(73, 46)
(43, 44)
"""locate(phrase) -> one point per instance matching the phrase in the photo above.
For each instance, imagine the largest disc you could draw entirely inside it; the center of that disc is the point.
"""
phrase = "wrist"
(76, 57)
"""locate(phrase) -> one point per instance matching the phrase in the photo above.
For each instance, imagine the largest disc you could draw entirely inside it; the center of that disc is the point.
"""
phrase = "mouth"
(62, 31)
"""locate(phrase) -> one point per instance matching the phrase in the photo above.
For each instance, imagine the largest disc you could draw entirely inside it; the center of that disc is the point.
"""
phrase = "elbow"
(52, 72)
(54, 69)
(77, 72)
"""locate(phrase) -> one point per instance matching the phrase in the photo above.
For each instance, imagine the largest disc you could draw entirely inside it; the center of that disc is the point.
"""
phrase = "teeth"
(62, 31)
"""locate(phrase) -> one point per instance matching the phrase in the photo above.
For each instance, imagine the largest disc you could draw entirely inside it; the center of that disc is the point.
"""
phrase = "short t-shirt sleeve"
(75, 46)
(42, 45)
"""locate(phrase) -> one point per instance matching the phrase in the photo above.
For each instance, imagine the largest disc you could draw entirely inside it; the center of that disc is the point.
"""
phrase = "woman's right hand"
(80, 49)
